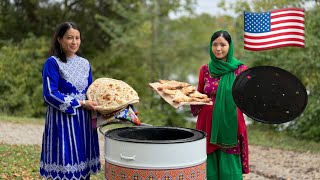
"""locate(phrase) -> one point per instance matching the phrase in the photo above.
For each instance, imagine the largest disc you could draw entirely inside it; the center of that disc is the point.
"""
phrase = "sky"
(211, 6)
(207, 6)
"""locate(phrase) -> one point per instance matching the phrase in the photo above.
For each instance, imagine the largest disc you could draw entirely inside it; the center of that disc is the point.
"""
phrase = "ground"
(265, 163)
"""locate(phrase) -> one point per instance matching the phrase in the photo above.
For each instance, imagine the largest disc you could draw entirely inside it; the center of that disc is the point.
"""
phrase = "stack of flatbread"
(182, 91)
(112, 95)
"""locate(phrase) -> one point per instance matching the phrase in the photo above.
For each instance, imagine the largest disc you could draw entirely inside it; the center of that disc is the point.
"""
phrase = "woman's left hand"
(89, 105)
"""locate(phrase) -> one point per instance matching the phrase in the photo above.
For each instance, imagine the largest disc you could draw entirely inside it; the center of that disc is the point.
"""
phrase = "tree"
(142, 51)
(20, 77)
(40, 17)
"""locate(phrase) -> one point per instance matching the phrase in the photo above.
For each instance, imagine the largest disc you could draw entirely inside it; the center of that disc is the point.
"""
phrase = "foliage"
(20, 77)
(307, 126)
(41, 17)
(142, 52)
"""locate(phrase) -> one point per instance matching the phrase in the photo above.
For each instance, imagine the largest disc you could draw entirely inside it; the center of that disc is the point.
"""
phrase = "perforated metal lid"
(269, 94)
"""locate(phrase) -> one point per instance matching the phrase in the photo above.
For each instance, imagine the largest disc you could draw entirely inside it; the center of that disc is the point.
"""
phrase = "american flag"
(274, 29)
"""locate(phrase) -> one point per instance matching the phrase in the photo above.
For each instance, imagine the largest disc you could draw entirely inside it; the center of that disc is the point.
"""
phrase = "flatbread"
(180, 97)
(181, 92)
(172, 85)
(111, 95)
(169, 98)
(205, 100)
(174, 82)
(169, 92)
(188, 90)
(197, 95)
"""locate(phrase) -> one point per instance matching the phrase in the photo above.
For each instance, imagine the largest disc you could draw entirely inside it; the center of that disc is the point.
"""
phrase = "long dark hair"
(59, 33)
(223, 34)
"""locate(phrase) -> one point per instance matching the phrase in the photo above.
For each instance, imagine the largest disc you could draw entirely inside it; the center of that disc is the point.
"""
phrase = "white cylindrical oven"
(134, 153)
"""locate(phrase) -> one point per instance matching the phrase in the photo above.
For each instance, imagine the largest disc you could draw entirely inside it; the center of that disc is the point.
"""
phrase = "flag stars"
(257, 22)
(258, 26)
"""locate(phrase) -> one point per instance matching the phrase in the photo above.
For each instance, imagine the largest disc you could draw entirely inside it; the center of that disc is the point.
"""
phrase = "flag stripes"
(274, 29)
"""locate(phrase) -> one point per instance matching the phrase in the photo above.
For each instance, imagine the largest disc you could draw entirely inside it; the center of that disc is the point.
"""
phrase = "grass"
(268, 138)
(21, 162)
(21, 120)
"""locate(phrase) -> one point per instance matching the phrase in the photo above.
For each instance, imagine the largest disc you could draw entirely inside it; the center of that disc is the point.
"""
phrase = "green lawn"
(22, 162)
(18, 162)
(279, 140)
(22, 120)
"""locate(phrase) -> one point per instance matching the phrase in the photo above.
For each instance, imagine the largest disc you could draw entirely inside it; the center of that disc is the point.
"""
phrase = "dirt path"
(265, 163)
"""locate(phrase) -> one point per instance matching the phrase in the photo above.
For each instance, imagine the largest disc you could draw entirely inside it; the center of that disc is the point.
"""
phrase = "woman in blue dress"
(70, 148)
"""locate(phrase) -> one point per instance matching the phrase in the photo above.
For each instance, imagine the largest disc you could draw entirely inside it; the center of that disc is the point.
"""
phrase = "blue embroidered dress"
(70, 147)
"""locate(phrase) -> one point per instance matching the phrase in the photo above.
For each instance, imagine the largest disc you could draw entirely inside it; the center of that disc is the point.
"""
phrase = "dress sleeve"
(240, 69)
(90, 77)
(195, 109)
(51, 93)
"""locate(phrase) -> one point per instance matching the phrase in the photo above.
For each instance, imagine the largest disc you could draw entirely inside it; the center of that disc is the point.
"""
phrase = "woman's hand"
(89, 105)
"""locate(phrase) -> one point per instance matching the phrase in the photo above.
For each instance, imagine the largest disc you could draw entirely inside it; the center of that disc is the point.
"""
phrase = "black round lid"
(155, 135)
(269, 94)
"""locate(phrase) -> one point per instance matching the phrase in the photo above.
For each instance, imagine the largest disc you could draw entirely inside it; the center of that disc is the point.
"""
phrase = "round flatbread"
(111, 95)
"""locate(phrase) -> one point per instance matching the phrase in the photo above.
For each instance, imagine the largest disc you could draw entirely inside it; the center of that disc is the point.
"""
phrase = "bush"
(20, 77)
